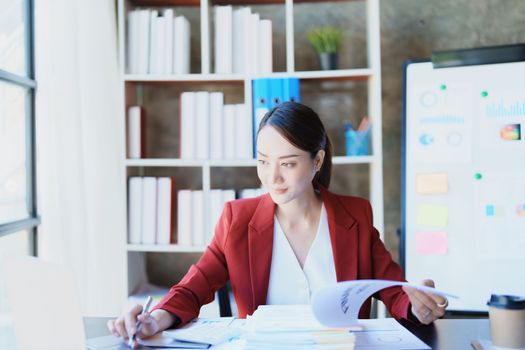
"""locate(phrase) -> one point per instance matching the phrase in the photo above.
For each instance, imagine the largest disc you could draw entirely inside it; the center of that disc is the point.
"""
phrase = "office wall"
(409, 29)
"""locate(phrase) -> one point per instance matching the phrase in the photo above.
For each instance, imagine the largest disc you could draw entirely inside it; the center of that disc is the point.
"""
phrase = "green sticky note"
(443, 87)
(477, 176)
(430, 215)
(484, 94)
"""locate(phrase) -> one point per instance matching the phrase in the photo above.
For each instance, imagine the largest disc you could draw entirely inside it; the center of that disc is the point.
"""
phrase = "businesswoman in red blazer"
(280, 247)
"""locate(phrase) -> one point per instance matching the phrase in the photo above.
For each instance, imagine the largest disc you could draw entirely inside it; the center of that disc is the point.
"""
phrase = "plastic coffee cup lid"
(511, 302)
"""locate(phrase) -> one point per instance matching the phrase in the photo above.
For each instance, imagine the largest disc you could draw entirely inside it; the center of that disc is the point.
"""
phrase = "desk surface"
(442, 334)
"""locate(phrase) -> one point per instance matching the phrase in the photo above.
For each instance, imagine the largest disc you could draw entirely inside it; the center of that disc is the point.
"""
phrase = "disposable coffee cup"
(507, 321)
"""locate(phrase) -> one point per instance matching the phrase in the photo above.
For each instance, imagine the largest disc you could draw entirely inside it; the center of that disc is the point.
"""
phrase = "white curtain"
(80, 143)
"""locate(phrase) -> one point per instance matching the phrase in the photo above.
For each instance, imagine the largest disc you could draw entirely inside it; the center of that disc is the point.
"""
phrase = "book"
(265, 46)
(251, 40)
(184, 217)
(181, 46)
(198, 218)
(223, 39)
(229, 131)
(149, 210)
(169, 30)
(135, 210)
(143, 41)
(202, 124)
(243, 133)
(155, 42)
(216, 205)
(135, 132)
(240, 23)
(228, 196)
(187, 125)
(216, 125)
(165, 192)
(133, 42)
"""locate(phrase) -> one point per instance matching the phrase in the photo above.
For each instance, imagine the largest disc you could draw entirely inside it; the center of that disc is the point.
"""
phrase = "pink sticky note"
(428, 243)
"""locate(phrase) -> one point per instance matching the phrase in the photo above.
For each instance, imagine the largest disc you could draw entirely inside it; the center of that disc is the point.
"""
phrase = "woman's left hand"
(427, 307)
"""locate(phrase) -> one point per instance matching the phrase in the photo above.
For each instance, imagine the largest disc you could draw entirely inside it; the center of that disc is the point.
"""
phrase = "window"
(18, 213)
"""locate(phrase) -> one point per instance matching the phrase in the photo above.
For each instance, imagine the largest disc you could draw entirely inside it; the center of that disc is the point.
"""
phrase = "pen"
(137, 327)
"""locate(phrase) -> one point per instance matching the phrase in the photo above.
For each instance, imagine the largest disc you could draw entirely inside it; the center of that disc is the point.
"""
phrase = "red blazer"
(241, 251)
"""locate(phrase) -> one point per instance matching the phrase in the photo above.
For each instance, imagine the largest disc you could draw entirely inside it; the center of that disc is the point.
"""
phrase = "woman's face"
(284, 170)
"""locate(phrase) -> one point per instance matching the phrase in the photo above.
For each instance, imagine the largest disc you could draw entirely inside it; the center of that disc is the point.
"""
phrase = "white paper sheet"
(338, 305)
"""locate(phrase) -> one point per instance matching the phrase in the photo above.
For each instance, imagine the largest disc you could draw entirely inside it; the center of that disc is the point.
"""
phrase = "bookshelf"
(161, 93)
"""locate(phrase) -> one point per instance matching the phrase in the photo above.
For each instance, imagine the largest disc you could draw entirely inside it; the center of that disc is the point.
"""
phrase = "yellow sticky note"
(432, 183)
(430, 215)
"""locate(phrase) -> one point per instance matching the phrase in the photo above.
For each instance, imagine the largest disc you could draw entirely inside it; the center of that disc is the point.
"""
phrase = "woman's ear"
(319, 159)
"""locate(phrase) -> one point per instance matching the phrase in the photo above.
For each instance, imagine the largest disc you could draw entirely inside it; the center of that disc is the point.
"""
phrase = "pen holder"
(357, 142)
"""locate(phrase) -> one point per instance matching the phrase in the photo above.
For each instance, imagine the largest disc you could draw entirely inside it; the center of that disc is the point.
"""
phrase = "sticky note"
(431, 243)
(430, 215)
(432, 183)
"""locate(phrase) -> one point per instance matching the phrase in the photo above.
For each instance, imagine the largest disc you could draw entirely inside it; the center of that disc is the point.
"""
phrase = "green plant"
(325, 39)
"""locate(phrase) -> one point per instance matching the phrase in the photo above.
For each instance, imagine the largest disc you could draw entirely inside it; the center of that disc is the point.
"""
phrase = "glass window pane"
(13, 172)
(16, 243)
(12, 36)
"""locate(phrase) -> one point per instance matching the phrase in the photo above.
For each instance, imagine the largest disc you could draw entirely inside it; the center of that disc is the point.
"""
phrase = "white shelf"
(158, 248)
(183, 78)
(171, 162)
(346, 74)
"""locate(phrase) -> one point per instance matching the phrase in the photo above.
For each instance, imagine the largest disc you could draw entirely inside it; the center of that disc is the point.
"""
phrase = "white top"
(289, 284)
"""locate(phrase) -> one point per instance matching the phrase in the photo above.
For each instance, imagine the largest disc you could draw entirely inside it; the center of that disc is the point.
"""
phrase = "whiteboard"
(463, 180)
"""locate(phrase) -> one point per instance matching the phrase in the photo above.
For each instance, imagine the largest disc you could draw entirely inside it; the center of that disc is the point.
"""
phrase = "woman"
(280, 247)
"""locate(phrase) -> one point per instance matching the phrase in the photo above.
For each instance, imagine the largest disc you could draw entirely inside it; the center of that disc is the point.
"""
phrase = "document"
(338, 305)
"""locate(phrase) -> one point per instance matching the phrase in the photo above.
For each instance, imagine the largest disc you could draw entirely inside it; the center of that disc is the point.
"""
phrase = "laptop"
(43, 312)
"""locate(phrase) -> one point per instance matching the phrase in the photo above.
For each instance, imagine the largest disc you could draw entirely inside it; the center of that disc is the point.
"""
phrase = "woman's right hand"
(126, 325)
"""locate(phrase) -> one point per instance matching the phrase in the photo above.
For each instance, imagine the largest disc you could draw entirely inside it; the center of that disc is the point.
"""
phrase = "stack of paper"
(293, 327)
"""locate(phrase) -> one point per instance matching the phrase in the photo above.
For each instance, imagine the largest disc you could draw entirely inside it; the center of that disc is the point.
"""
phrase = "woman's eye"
(288, 165)
(262, 161)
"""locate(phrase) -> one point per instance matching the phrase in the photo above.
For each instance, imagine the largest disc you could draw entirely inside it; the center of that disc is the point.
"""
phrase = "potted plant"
(326, 41)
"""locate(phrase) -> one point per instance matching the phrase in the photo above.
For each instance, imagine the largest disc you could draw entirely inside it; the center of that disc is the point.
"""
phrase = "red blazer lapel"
(343, 235)
(260, 244)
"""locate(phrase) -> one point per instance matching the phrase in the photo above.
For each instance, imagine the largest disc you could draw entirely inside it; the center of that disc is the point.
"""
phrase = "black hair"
(303, 128)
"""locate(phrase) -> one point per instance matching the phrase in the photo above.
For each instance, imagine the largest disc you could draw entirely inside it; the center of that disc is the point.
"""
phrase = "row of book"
(150, 205)
(151, 209)
(211, 129)
(158, 42)
(243, 41)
